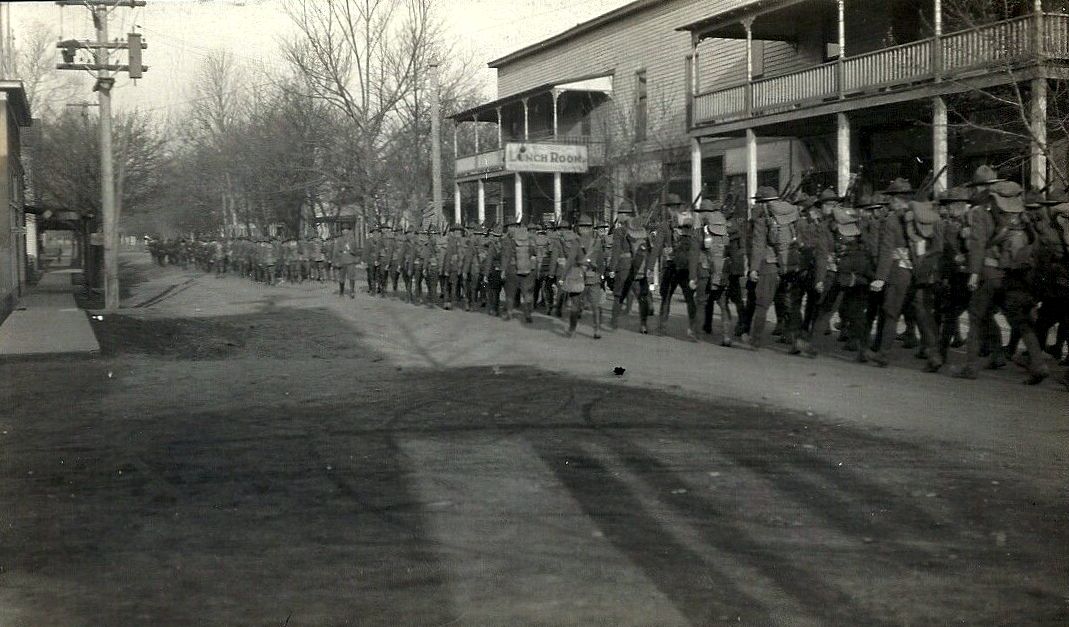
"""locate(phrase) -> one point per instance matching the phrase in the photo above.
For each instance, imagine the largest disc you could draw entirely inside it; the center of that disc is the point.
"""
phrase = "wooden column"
(558, 195)
(940, 151)
(500, 131)
(482, 201)
(475, 119)
(840, 78)
(695, 168)
(751, 170)
(1038, 122)
(842, 153)
(457, 215)
(518, 189)
(556, 129)
(526, 123)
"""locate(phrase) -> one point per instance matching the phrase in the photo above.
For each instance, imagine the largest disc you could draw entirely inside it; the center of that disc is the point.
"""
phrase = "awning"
(792, 16)
(488, 112)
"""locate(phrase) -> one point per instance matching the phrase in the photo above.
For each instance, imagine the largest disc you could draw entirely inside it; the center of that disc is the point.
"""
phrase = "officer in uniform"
(346, 258)
(774, 258)
(431, 266)
(480, 242)
(583, 270)
(371, 259)
(492, 271)
(631, 262)
(1001, 257)
(738, 261)
(565, 241)
(546, 265)
(712, 265)
(453, 265)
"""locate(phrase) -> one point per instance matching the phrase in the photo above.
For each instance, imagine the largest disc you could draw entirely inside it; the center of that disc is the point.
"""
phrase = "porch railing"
(490, 160)
(986, 48)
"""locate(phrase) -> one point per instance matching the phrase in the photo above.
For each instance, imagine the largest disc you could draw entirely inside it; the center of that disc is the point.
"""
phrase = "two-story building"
(890, 88)
(598, 114)
(718, 97)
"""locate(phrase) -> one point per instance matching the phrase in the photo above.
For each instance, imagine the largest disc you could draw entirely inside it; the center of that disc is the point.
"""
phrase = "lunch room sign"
(527, 157)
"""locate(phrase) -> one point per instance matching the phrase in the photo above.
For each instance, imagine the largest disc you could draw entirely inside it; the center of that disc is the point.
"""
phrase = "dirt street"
(245, 455)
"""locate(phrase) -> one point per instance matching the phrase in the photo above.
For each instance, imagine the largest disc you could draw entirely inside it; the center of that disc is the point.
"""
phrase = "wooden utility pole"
(436, 143)
(104, 83)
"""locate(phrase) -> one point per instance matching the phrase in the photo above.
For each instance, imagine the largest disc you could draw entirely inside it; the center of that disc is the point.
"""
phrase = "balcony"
(988, 49)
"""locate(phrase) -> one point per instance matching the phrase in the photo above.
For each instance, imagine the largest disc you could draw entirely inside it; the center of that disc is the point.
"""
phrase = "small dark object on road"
(618, 371)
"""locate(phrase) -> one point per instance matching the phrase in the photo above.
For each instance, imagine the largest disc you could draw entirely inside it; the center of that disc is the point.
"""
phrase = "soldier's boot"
(692, 329)
(616, 307)
(527, 311)
(757, 327)
(643, 317)
(597, 323)
(573, 322)
(352, 288)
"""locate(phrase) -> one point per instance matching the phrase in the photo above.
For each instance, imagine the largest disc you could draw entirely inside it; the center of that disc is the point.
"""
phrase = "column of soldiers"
(891, 257)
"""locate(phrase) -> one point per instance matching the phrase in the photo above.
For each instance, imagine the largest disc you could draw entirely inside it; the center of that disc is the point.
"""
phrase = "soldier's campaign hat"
(717, 223)
(846, 221)
(878, 200)
(706, 206)
(1033, 199)
(672, 200)
(864, 201)
(626, 207)
(954, 194)
(829, 195)
(495, 230)
(1008, 196)
(924, 217)
(600, 223)
(766, 194)
(898, 186)
(984, 175)
(804, 200)
(564, 224)
(455, 227)
(1055, 197)
(586, 220)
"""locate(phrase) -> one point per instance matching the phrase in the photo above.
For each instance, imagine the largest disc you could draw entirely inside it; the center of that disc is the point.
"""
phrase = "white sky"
(180, 33)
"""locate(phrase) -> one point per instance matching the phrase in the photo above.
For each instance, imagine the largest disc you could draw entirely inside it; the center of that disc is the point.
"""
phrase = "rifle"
(928, 183)
(791, 191)
(854, 178)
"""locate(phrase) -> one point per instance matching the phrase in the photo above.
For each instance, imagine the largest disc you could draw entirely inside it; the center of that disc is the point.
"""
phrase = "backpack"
(1013, 244)
(783, 235)
(522, 240)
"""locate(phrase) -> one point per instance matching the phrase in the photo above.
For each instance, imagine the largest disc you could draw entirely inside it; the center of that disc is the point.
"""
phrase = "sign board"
(528, 157)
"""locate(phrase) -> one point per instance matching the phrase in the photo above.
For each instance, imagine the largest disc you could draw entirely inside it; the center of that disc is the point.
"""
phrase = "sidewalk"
(47, 321)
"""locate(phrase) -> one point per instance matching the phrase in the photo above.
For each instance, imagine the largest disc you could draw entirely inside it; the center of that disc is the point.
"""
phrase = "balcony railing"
(987, 48)
(483, 162)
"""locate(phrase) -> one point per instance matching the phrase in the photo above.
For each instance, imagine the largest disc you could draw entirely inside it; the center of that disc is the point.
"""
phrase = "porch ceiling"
(487, 112)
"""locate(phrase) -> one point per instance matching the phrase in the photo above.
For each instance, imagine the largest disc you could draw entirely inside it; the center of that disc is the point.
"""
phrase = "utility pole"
(436, 141)
(104, 83)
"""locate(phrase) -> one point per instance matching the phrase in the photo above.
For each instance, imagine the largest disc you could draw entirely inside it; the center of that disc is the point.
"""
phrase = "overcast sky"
(181, 32)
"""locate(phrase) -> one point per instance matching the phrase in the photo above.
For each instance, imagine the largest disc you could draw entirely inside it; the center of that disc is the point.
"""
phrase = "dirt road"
(270, 456)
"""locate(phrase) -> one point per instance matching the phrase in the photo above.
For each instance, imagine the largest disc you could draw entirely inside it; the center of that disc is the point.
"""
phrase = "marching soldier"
(737, 267)
(712, 265)
(908, 269)
(431, 258)
(850, 261)
(566, 238)
(480, 241)
(345, 259)
(547, 265)
(519, 260)
(492, 271)
(774, 258)
(583, 269)
(678, 251)
(396, 261)
(419, 255)
(954, 299)
(1001, 256)
(631, 262)
(371, 255)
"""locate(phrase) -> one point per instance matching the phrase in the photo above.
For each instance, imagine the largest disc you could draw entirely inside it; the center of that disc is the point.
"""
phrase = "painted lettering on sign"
(527, 157)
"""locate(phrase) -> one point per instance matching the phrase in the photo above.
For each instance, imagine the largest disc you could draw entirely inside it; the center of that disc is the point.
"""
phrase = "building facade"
(14, 116)
(715, 98)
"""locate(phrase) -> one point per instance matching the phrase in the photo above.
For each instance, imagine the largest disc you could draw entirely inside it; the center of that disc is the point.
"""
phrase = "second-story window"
(641, 106)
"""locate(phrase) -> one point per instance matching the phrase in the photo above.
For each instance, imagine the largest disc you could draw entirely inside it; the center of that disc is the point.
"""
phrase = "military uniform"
(713, 277)
(519, 267)
(345, 260)
(678, 250)
(849, 262)
(583, 270)
(1001, 257)
(774, 260)
(908, 271)
(492, 267)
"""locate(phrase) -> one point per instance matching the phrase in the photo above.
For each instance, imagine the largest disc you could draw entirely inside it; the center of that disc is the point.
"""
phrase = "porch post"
(482, 201)
(747, 23)
(476, 120)
(751, 170)
(456, 203)
(556, 130)
(695, 168)
(1038, 122)
(937, 41)
(939, 144)
(500, 132)
(456, 130)
(842, 153)
(1037, 8)
(518, 187)
(558, 195)
(526, 125)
